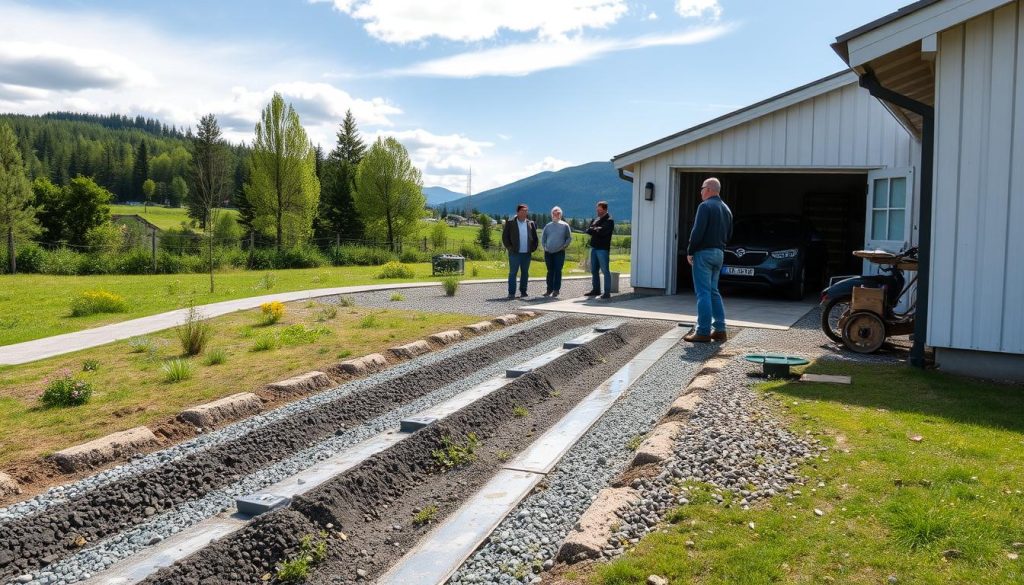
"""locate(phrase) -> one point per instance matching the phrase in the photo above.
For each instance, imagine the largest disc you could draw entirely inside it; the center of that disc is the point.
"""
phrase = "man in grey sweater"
(555, 239)
(712, 229)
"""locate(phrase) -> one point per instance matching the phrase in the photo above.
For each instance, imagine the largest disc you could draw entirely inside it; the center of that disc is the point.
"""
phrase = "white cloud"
(444, 159)
(652, 16)
(404, 21)
(527, 58)
(699, 8)
(53, 66)
(549, 163)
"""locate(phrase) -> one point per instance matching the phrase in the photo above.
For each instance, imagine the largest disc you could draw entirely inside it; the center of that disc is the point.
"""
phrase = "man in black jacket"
(519, 236)
(600, 231)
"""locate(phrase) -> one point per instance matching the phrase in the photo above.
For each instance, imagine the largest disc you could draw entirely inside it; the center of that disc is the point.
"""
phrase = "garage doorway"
(835, 204)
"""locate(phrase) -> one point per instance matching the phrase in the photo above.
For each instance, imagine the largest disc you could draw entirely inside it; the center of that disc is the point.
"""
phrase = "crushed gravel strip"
(64, 493)
(530, 536)
(98, 558)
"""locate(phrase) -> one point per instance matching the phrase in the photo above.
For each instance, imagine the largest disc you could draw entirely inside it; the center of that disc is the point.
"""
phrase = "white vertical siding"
(978, 217)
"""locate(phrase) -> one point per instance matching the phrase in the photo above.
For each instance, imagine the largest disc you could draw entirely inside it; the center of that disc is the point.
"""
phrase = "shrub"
(472, 251)
(520, 412)
(62, 262)
(452, 454)
(266, 282)
(439, 235)
(216, 357)
(194, 333)
(450, 284)
(410, 256)
(370, 321)
(176, 370)
(135, 261)
(300, 257)
(474, 271)
(352, 255)
(425, 516)
(272, 312)
(90, 365)
(260, 260)
(311, 553)
(346, 302)
(30, 258)
(395, 270)
(65, 390)
(97, 301)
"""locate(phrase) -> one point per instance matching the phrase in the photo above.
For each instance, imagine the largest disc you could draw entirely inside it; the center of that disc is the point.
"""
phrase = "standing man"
(600, 231)
(555, 238)
(712, 229)
(519, 236)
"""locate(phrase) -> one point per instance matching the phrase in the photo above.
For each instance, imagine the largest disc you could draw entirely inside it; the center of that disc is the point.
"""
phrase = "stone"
(27, 578)
(361, 573)
(659, 445)
(826, 379)
(1012, 556)
(703, 382)
(363, 365)
(595, 526)
(445, 337)
(8, 486)
(818, 512)
(526, 314)
(411, 350)
(510, 319)
(685, 404)
(112, 447)
(229, 408)
(303, 383)
(715, 365)
(481, 327)
(657, 580)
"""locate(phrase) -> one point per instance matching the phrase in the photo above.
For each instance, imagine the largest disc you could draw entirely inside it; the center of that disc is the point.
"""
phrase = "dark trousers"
(518, 262)
(554, 261)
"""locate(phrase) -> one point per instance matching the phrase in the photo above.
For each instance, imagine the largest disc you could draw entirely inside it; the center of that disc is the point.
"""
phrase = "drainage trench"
(369, 509)
(59, 530)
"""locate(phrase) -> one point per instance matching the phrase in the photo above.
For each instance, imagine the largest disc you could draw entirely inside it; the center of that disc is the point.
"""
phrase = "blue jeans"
(599, 261)
(518, 262)
(554, 261)
(707, 266)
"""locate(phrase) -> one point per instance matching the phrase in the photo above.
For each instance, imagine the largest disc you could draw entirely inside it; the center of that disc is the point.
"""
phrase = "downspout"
(924, 243)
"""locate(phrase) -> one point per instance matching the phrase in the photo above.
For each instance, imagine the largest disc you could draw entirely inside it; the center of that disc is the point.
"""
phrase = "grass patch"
(397, 297)
(93, 302)
(425, 516)
(193, 334)
(634, 442)
(450, 284)
(395, 270)
(326, 312)
(90, 365)
(503, 455)
(452, 454)
(944, 510)
(216, 357)
(129, 390)
(371, 321)
(177, 370)
(312, 551)
(265, 342)
(520, 412)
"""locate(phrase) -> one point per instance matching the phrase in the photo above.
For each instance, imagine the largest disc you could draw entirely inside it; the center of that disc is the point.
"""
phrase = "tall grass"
(194, 333)
(176, 370)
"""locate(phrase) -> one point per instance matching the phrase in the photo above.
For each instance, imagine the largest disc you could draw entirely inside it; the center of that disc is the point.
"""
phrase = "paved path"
(37, 349)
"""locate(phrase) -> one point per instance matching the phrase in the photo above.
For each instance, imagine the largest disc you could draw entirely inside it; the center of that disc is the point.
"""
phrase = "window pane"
(879, 224)
(898, 197)
(881, 193)
(896, 219)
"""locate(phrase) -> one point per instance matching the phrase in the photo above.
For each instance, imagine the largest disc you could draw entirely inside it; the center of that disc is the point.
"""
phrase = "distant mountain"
(439, 195)
(574, 189)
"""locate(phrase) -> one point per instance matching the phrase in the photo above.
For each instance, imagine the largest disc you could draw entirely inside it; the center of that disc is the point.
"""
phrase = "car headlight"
(783, 254)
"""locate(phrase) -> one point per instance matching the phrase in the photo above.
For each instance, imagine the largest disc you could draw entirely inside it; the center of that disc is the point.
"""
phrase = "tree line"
(58, 174)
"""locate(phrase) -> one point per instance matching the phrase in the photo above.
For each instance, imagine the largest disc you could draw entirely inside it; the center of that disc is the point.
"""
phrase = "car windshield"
(765, 230)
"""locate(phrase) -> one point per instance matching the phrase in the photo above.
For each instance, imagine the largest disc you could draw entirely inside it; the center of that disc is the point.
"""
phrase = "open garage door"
(833, 204)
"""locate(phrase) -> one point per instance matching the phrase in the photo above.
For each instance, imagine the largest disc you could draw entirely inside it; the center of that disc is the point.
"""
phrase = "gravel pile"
(527, 540)
(733, 442)
(62, 494)
(98, 558)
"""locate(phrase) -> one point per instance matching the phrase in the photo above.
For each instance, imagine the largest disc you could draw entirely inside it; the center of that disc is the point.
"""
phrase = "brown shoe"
(719, 335)
(694, 337)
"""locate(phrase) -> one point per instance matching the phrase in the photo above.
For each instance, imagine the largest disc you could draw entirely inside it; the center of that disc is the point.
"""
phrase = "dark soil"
(369, 509)
(46, 537)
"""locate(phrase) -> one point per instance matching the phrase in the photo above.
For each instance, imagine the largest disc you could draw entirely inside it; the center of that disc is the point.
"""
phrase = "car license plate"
(737, 271)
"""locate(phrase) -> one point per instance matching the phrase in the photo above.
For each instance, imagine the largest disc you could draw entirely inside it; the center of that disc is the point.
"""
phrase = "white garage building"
(820, 151)
(948, 76)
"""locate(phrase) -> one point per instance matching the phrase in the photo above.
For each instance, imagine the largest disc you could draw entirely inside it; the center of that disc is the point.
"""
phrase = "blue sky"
(509, 87)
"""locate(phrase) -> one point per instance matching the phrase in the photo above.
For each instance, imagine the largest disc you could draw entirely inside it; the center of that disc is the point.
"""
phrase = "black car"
(776, 252)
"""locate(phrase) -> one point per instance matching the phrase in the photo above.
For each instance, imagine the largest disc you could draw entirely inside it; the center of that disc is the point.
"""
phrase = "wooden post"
(337, 240)
(152, 237)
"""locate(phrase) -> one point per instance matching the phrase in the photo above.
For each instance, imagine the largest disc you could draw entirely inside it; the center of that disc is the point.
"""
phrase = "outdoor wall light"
(649, 192)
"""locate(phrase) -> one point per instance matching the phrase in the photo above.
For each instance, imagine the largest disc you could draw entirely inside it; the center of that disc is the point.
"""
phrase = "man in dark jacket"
(712, 229)
(519, 236)
(600, 231)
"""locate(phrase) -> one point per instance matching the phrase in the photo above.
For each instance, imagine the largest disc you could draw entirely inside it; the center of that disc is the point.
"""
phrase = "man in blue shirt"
(712, 229)
(519, 236)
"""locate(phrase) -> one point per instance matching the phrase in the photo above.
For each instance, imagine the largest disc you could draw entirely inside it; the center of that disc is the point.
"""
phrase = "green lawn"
(162, 217)
(35, 305)
(947, 509)
(130, 389)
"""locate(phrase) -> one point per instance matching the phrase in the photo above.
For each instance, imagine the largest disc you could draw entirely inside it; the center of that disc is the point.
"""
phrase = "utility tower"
(469, 194)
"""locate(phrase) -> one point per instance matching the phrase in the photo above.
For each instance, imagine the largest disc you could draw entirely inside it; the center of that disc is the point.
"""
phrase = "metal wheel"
(831, 315)
(864, 332)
